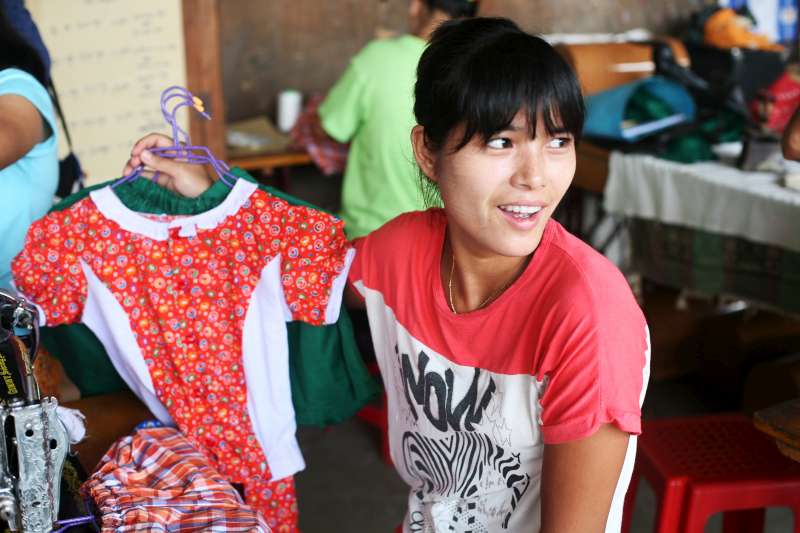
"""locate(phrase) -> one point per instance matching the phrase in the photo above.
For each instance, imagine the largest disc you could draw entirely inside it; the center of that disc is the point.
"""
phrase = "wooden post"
(201, 30)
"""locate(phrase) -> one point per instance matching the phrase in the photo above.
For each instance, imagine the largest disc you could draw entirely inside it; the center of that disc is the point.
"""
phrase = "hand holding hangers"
(175, 175)
(179, 148)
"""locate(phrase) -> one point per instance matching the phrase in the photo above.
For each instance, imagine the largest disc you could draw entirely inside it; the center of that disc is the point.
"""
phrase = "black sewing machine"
(36, 443)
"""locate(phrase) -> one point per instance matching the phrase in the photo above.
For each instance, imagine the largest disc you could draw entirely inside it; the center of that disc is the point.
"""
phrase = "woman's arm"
(579, 479)
(21, 128)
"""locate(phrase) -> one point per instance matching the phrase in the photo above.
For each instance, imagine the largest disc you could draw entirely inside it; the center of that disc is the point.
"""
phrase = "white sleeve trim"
(337, 289)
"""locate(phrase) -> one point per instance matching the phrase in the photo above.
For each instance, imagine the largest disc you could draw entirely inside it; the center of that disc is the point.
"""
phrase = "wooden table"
(782, 423)
(268, 162)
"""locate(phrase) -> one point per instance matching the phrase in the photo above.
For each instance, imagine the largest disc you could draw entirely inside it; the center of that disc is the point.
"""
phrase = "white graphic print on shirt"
(465, 439)
(464, 461)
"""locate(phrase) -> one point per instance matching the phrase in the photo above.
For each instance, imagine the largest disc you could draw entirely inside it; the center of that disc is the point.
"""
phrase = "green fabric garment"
(693, 146)
(329, 379)
(645, 107)
(688, 148)
(372, 107)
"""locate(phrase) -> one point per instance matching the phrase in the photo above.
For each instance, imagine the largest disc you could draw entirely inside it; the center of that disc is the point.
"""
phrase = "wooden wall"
(270, 45)
(572, 16)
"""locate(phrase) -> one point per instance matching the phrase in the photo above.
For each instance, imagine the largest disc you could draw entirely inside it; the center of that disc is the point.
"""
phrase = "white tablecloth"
(707, 196)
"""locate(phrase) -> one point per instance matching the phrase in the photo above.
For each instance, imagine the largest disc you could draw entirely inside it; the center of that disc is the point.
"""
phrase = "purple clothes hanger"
(182, 148)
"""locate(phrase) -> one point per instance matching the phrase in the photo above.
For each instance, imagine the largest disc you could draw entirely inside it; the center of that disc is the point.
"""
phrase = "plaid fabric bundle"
(155, 480)
(330, 156)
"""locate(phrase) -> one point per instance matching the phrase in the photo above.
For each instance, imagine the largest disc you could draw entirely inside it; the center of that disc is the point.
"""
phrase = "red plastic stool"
(378, 415)
(704, 465)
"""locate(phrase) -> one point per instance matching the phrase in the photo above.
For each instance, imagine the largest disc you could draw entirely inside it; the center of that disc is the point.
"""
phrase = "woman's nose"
(528, 172)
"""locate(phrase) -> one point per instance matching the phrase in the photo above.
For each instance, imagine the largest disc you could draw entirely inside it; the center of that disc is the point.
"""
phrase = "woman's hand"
(178, 176)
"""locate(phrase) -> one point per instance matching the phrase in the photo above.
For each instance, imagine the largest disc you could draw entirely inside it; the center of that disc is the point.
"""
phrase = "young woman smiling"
(514, 356)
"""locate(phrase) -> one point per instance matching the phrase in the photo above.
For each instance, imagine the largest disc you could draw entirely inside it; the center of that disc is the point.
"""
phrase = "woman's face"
(499, 195)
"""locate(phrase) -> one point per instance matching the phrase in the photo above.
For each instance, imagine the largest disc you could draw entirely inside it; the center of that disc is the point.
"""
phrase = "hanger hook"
(186, 99)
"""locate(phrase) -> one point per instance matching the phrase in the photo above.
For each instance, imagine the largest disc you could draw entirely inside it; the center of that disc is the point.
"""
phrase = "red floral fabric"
(186, 300)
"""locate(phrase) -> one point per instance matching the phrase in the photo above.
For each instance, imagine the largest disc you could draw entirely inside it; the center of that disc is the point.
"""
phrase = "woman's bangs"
(503, 84)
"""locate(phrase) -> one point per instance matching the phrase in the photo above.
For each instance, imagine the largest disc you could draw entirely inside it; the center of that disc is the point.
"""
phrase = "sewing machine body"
(35, 443)
(36, 447)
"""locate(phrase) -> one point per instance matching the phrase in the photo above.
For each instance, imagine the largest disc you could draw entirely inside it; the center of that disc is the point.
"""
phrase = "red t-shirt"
(474, 397)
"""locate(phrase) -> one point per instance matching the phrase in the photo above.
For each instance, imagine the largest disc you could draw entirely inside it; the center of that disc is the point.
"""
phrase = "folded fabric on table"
(329, 155)
(155, 480)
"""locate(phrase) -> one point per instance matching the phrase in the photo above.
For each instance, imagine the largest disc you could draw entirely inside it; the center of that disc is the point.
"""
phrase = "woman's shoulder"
(18, 81)
(586, 274)
(409, 237)
(413, 227)
(393, 256)
(432, 219)
(577, 257)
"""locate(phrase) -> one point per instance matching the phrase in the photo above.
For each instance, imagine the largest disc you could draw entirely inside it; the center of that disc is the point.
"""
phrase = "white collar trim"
(111, 207)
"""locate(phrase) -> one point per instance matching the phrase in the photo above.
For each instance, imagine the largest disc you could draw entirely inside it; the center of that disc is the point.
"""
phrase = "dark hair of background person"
(454, 8)
(479, 73)
(16, 52)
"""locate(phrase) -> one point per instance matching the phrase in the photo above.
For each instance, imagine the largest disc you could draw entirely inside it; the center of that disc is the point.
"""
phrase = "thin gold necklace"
(486, 301)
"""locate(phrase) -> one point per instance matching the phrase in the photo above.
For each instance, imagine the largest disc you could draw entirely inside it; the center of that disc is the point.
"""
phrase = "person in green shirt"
(371, 106)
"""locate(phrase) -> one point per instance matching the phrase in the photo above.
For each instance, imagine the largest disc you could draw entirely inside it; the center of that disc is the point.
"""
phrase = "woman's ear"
(426, 158)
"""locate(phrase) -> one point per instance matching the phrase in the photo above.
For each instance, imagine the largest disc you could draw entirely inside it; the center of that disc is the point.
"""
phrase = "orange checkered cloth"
(155, 480)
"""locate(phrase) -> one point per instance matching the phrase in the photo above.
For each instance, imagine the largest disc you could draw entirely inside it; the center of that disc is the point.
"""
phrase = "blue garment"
(605, 111)
(27, 186)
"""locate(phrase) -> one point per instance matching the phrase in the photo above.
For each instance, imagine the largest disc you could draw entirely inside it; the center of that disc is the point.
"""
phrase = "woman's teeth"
(521, 211)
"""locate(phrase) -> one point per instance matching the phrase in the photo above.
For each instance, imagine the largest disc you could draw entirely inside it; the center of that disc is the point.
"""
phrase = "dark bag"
(70, 173)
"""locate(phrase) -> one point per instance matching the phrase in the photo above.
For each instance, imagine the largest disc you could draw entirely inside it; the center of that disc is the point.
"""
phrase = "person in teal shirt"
(28, 149)
(371, 106)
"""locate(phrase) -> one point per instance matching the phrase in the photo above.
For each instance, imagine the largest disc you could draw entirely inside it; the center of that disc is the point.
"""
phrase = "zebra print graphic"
(455, 465)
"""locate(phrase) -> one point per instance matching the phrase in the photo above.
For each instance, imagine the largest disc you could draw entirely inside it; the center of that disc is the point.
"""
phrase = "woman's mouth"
(520, 212)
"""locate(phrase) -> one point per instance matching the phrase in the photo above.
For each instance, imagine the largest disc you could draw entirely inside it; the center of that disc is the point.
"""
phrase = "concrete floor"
(346, 487)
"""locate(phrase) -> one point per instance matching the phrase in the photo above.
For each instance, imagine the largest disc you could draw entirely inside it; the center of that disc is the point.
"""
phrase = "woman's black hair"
(17, 53)
(480, 72)
(454, 8)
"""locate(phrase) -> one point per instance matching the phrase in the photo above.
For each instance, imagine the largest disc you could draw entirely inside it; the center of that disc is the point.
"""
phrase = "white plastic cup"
(290, 103)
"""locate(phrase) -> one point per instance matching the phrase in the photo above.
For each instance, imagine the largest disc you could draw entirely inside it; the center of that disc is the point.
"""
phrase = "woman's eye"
(559, 142)
(499, 143)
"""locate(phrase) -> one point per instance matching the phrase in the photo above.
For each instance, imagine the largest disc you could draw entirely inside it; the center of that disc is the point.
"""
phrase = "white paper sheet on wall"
(111, 61)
